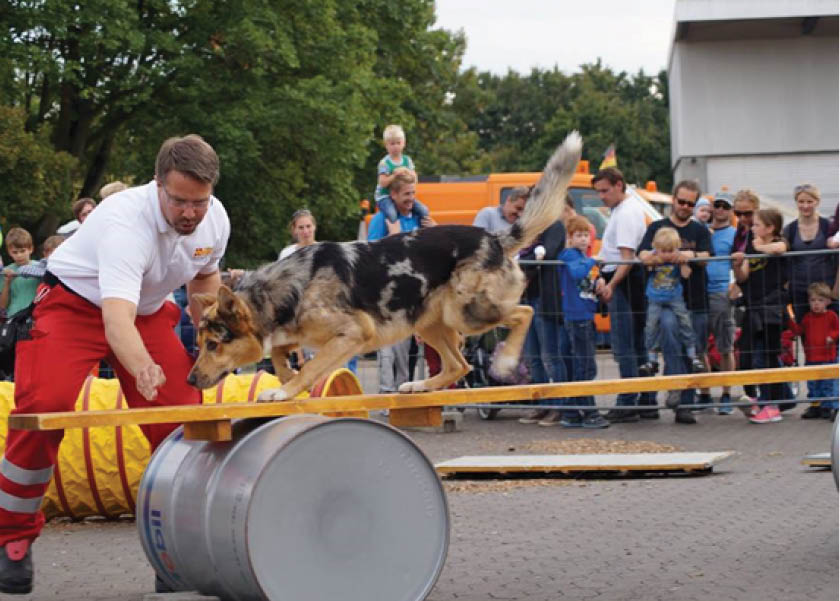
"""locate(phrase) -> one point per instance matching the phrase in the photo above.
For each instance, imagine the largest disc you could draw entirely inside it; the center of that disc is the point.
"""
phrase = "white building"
(754, 96)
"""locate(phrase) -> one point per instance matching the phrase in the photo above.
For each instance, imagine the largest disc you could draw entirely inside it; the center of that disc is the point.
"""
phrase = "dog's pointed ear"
(204, 299)
(227, 301)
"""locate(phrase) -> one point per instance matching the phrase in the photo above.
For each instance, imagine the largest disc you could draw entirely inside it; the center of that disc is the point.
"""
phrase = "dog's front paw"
(417, 386)
(272, 394)
(504, 368)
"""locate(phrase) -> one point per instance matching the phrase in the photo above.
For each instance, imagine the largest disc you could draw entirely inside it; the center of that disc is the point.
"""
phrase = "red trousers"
(67, 340)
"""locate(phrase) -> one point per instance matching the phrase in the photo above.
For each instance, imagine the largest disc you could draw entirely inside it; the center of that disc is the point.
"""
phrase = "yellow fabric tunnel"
(99, 469)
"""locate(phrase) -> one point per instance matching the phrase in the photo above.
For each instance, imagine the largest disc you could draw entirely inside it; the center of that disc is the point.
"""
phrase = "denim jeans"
(673, 352)
(582, 345)
(823, 388)
(628, 345)
(547, 350)
(653, 328)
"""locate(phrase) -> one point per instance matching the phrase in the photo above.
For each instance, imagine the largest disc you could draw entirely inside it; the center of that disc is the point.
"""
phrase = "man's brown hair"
(18, 238)
(612, 175)
(688, 184)
(190, 155)
(403, 178)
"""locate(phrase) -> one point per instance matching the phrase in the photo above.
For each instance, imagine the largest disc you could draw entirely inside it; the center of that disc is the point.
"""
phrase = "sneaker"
(594, 421)
(752, 409)
(768, 414)
(534, 416)
(571, 422)
(812, 412)
(649, 413)
(648, 369)
(673, 399)
(616, 416)
(697, 365)
(16, 568)
(725, 399)
(828, 413)
(684, 416)
(552, 418)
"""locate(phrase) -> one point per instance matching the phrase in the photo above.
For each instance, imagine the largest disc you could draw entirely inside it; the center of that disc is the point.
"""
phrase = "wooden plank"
(817, 460)
(216, 431)
(418, 417)
(360, 402)
(602, 462)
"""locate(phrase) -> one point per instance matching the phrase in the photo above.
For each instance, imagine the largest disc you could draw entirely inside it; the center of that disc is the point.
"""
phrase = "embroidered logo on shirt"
(202, 252)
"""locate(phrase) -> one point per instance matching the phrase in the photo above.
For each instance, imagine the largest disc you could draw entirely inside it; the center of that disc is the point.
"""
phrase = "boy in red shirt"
(819, 331)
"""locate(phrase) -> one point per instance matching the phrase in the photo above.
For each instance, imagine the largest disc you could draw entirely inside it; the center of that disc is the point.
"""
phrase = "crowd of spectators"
(713, 272)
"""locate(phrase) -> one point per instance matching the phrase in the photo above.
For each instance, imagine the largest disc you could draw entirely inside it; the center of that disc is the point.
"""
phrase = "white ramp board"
(605, 462)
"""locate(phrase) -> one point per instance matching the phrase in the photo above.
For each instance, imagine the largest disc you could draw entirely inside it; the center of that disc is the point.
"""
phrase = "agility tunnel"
(99, 469)
(303, 507)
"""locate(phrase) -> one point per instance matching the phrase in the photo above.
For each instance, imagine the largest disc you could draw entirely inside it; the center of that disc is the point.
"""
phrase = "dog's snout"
(191, 379)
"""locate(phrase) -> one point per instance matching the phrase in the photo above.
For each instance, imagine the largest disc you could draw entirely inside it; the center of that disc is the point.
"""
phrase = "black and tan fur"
(344, 299)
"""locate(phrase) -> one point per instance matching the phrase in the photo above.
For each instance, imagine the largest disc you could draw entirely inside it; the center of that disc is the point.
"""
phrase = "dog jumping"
(350, 298)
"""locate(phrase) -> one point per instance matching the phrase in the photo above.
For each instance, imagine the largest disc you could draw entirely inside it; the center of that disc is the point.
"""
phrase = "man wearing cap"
(721, 313)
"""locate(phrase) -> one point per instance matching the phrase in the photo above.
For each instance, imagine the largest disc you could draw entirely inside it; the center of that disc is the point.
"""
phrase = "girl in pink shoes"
(762, 281)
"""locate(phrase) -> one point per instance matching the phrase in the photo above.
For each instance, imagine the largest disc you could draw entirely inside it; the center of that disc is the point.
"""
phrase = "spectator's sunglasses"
(720, 204)
(808, 189)
(744, 213)
(685, 203)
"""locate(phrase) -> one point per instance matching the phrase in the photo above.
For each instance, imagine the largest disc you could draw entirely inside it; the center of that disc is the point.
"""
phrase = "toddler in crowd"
(819, 331)
(18, 292)
(394, 162)
(664, 289)
(579, 305)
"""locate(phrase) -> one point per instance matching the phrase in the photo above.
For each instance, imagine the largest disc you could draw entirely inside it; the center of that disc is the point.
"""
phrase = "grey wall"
(754, 96)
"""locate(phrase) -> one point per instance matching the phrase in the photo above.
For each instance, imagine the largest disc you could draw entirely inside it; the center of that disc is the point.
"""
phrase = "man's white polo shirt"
(625, 229)
(126, 249)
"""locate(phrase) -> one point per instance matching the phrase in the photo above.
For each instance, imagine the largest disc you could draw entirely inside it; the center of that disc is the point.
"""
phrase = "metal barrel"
(298, 508)
(835, 452)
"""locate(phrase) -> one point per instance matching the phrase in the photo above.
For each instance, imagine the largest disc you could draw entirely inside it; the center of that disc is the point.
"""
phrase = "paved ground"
(762, 527)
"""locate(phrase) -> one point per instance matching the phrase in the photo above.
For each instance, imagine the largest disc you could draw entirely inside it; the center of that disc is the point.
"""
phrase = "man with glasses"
(107, 299)
(695, 242)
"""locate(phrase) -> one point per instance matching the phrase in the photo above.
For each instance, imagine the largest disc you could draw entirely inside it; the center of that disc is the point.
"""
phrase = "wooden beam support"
(439, 398)
(215, 431)
(418, 417)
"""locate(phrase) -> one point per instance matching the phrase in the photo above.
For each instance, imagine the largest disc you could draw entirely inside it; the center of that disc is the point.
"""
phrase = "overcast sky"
(521, 34)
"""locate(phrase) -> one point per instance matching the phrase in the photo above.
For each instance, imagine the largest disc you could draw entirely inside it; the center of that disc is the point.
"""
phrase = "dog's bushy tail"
(545, 205)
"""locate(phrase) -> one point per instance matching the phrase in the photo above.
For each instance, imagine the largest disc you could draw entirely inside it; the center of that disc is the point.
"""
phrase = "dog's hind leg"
(332, 354)
(280, 361)
(446, 341)
(518, 320)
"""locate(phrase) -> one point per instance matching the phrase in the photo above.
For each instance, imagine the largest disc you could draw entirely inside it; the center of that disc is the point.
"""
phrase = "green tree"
(36, 179)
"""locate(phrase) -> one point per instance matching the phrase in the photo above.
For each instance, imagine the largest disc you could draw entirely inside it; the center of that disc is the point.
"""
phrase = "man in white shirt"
(621, 286)
(108, 300)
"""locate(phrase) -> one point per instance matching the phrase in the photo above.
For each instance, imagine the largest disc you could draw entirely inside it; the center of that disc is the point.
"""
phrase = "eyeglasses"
(720, 204)
(686, 203)
(180, 203)
(744, 213)
(301, 213)
(810, 189)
